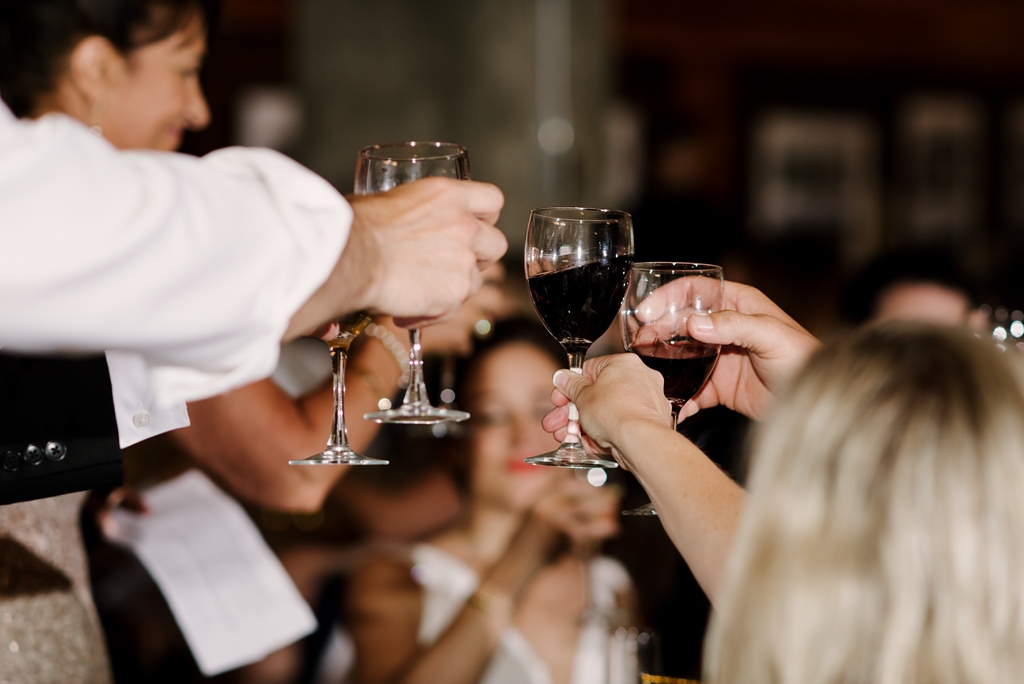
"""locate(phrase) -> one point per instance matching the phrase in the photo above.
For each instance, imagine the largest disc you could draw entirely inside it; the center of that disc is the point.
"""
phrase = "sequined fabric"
(49, 631)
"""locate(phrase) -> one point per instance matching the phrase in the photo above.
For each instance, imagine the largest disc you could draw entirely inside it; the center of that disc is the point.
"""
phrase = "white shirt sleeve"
(139, 415)
(196, 265)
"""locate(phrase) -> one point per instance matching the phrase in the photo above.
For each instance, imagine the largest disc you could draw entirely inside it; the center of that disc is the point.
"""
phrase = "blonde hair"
(883, 539)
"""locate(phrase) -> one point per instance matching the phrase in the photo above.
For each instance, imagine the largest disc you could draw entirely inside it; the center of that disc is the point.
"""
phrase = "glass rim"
(609, 214)
(676, 266)
(377, 151)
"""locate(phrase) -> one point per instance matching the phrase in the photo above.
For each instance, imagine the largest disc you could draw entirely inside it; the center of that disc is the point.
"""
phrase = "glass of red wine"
(380, 168)
(577, 265)
(660, 298)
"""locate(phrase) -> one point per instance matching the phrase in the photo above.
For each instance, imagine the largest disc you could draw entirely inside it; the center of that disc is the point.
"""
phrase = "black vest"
(58, 432)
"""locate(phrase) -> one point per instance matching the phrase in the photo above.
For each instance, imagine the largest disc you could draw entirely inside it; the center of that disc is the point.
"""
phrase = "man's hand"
(416, 252)
(427, 244)
(761, 347)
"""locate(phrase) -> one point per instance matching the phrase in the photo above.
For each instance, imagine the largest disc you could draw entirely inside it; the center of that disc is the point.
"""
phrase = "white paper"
(231, 596)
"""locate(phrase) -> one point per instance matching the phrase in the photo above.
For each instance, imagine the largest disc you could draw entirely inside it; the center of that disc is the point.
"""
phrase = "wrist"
(361, 261)
(631, 435)
(499, 606)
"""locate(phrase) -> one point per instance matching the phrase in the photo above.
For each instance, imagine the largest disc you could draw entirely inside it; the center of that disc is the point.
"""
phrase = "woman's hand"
(578, 510)
(761, 347)
(613, 393)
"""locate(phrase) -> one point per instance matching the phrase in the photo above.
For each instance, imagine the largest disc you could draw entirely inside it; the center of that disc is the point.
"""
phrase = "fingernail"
(559, 378)
(703, 322)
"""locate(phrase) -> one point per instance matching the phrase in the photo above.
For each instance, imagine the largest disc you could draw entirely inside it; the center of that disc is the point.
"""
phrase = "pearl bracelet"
(500, 608)
(396, 348)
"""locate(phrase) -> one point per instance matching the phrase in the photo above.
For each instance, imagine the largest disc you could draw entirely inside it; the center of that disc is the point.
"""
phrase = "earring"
(94, 116)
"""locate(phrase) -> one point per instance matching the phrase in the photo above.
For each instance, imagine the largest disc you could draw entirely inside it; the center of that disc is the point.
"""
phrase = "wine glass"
(577, 264)
(338, 451)
(660, 298)
(380, 168)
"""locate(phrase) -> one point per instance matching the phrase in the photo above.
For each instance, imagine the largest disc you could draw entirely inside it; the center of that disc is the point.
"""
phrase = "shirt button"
(55, 451)
(141, 419)
(33, 455)
(12, 461)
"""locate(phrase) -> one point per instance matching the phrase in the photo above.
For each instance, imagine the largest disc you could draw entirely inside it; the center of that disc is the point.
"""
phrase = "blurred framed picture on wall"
(939, 168)
(1012, 170)
(817, 174)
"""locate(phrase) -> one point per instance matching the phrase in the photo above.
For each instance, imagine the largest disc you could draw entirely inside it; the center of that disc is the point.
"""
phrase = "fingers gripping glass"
(577, 264)
(379, 169)
(660, 298)
(338, 451)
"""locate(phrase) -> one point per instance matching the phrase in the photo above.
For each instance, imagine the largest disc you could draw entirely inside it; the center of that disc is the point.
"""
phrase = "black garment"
(58, 431)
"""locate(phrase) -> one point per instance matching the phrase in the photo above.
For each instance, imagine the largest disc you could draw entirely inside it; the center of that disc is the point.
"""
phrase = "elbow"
(293, 497)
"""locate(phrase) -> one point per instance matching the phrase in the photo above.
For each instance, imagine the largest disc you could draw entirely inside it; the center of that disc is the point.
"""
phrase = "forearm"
(697, 503)
(246, 438)
(461, 655)
(373, 374)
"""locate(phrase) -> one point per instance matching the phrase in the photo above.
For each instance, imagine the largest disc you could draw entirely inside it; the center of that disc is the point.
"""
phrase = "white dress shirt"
(195, 265)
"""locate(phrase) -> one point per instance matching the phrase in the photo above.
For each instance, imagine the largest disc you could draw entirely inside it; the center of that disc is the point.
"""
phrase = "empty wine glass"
(338, 451)
(381, 168)
(660, 298)
(577, 264)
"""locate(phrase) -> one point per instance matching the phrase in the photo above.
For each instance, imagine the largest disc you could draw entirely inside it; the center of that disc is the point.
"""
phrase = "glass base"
(646, 509)
(417, 414)
(338, 456)
(570, 458)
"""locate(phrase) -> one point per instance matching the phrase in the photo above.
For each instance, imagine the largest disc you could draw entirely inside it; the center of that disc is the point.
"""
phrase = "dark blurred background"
(808, 134)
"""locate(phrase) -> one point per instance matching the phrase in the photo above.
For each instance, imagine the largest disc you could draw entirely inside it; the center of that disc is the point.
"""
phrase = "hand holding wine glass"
(762, 346)
(381, 168)
(415, 252)
(577, 261)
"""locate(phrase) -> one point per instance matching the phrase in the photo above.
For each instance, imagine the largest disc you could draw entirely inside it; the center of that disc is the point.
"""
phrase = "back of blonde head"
(883, 541)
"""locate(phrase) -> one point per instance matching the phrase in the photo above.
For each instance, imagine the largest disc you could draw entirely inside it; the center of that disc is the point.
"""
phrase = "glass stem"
(339, 434)
(417, 390)
(676, 408)
(572, 430)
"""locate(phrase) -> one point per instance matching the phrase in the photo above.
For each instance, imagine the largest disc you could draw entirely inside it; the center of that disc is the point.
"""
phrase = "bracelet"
(396, 348)
(493, 605)
(384, 402)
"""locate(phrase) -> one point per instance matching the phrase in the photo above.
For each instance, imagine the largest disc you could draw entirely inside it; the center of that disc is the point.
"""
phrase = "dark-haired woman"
(500, 597)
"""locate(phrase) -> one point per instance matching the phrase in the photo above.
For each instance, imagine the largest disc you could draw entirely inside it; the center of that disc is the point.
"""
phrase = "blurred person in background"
(912, 285)
(501, 596)
(511, 592)
(129, 69)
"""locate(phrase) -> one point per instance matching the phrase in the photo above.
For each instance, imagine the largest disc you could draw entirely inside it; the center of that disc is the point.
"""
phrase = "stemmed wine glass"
(381, 168)
(338, 451)
(660, 298)
(577, 264)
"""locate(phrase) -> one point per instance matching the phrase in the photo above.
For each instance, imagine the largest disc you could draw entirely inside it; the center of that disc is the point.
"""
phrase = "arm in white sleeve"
(196, 264)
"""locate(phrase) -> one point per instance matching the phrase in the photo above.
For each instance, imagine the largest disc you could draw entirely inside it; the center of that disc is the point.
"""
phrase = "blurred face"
(158, 96)
(508, 397)
(922, 303)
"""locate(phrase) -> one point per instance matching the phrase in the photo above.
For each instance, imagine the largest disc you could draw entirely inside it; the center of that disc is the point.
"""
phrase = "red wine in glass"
(684, 363)
(577, 305)
(661, 296)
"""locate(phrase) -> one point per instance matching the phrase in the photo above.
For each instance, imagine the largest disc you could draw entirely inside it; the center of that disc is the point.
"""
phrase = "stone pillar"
(463, 71)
